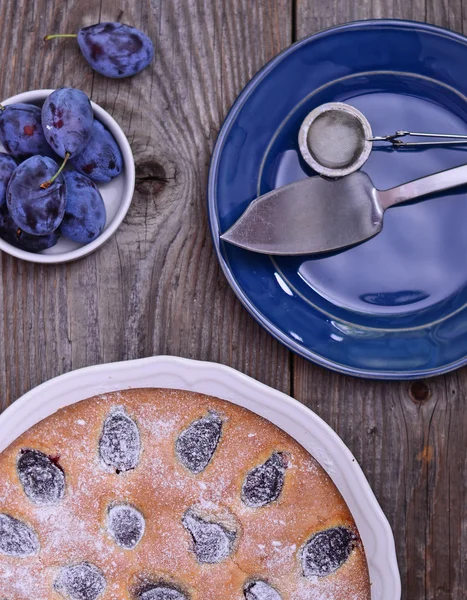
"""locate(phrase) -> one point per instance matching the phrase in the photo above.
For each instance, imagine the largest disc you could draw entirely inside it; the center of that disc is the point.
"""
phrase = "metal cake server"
(318, 215)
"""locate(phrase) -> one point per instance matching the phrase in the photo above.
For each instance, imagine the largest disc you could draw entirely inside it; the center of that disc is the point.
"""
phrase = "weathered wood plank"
(156, 287)
(34, 299)
(407, 438)
(314, 15)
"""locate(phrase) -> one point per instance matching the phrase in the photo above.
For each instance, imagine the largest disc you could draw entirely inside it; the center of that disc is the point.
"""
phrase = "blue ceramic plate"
(394, 307)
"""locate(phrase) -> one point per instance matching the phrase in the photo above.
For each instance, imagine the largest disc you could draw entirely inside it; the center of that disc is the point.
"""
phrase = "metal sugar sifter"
(335, 139)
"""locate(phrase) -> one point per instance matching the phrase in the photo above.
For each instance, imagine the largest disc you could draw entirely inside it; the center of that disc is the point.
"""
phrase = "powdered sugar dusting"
(126, 525)
(260, 590)
(279, 555)
(212, 541)
(65, 534)
(326, 551)
(120, 444)
(22, 582)
(264, 483)
(327, 589)
(159, 519)
(17, 538)
(42, 480)
(197, 444)
(80, 582)
(162, 592)
(160, 428)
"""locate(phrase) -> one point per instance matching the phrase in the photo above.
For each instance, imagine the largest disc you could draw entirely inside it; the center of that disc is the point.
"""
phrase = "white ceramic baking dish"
(221, 381)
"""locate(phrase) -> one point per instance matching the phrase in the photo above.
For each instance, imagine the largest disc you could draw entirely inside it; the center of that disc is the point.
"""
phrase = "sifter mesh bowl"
(334, 139)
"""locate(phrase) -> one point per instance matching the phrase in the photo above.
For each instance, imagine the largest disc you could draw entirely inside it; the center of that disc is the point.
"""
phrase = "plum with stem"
(36, 210)
(67, 120)
(113, 49)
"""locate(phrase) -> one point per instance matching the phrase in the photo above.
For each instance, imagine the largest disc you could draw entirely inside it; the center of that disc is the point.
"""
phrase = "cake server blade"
(317, 215)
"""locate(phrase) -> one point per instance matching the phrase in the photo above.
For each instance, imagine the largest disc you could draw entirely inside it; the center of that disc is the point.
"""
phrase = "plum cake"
(156, 494)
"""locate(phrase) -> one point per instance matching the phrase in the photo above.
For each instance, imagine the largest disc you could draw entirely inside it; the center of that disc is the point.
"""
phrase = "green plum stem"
(60, 35)
(48, 183)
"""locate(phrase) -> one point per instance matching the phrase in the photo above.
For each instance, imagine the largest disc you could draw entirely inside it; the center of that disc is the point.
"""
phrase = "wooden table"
(156, 287)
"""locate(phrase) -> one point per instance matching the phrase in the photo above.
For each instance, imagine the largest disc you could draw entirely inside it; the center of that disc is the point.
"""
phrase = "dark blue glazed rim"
(422, 346)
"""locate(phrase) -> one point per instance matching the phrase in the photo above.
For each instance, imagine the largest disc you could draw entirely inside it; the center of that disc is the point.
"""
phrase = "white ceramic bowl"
(117, 193)
(217, 380)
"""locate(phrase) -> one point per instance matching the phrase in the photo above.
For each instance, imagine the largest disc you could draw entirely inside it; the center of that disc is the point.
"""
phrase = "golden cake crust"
(269, 538)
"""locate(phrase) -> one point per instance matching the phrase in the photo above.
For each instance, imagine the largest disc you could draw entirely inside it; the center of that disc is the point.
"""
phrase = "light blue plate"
(394, 307)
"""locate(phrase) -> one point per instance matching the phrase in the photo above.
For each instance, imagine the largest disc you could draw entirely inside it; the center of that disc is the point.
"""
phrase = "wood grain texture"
(407, 438)
(156, 287)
